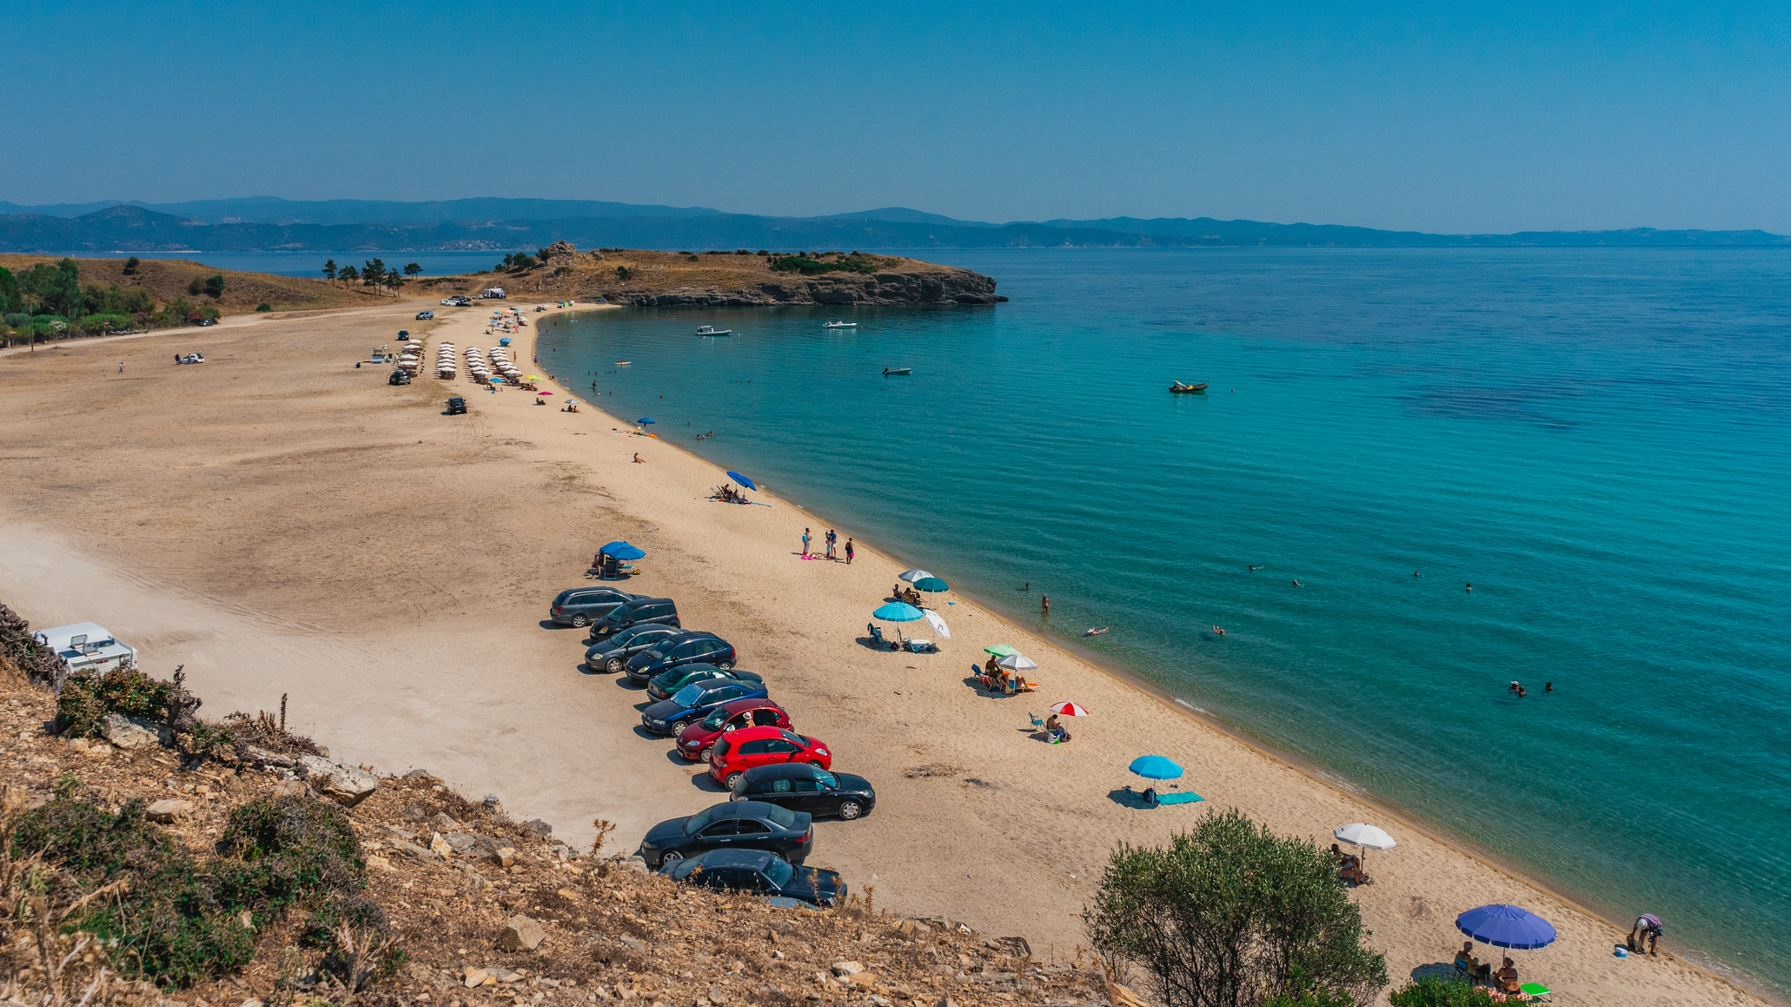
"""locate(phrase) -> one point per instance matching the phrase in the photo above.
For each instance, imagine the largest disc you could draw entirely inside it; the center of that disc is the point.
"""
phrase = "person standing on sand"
(805, 541)
(849, 550)
(121, 367)
(832, 539)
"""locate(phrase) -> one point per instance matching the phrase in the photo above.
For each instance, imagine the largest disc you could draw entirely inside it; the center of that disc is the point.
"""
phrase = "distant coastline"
(499, 225)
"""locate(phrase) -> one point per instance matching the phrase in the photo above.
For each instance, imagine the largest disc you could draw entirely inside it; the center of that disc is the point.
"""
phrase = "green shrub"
(175, 917)
(264, 306)
(1434, 992)
(809, 265)
(86, 699)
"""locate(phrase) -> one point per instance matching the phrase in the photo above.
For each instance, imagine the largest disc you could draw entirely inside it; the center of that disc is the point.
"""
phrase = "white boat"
(710, 330)
(840, 325)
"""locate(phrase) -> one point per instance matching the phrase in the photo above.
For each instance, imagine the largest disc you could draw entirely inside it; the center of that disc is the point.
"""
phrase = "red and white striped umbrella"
(1069, 710)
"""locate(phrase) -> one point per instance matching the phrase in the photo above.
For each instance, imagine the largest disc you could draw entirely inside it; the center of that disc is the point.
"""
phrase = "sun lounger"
(919, 646)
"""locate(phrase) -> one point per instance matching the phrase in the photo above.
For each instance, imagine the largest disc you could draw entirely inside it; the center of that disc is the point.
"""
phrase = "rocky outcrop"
(891, 289)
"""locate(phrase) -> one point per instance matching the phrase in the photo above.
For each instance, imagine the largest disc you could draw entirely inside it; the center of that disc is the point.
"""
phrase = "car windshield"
(780, 872)
(688, 695)
(794, 739)
(628, 635)
(716, 719)
(827, 780)
(697, 822)
(654, 655)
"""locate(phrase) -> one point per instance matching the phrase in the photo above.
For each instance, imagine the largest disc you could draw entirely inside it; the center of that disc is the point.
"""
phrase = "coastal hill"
(715, 279)
(495, 224)
(156, 858)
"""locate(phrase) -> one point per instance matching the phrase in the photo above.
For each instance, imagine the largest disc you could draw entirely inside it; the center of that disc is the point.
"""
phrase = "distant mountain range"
(266, 223)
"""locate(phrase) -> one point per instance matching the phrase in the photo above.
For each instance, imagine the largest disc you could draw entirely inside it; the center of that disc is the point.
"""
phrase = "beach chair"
(917, 645)
(1534, 992)
(876, 634)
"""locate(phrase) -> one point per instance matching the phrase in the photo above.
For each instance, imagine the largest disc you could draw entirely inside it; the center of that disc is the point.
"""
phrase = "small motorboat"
(710, 330)
(623, 363)
(1178, 388)
(897, 372)
(840, 325)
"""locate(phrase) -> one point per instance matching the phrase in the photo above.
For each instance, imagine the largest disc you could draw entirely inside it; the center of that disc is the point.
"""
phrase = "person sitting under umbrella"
(1465, 961)
(1055, 732)
(1508, 978)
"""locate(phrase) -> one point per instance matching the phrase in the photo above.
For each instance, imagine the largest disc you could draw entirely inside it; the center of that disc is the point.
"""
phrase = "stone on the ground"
(168, 809)
(130, 732)
(346, 785)
(843, 969)
(521, 934)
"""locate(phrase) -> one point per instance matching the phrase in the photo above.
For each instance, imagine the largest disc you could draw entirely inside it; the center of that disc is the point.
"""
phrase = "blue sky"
(1486, 117)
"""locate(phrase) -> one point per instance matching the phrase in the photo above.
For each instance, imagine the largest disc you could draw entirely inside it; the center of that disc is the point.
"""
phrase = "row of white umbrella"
(447, 362)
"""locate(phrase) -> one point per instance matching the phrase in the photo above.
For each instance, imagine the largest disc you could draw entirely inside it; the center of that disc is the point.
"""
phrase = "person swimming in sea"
(1298, 584)
(1255, 567)
(1217, 631)
(1470, 587)
(1095, 631)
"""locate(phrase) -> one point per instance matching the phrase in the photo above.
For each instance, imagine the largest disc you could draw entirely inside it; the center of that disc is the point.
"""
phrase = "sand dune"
(281, 522)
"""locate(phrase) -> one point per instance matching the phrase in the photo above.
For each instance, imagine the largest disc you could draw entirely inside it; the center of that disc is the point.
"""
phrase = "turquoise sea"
(1598, 440)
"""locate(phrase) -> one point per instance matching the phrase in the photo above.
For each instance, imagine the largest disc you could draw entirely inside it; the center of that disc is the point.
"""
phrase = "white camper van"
(87, 646)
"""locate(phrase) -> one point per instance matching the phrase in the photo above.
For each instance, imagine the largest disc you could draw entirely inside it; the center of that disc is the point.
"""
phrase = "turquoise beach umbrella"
(898, 611)
(932, 585)
(1156, 767)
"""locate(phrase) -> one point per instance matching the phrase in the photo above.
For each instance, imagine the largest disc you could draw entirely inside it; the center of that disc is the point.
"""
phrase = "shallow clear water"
(1598, 440)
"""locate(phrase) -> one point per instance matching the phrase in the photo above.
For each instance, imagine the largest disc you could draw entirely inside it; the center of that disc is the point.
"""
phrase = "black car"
(399, 378)
(760, 873)
(456, 406)
(663, 611)
(581, 606)
(705, 648)
(613, 653)
(750, 825)
(802, 786)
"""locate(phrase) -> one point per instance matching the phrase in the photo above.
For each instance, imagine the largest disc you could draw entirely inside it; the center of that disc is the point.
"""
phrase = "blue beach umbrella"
(932, 585)
(1156, 767)
(898, 611)
(1506, 927)
(742, 480)
(624, 551)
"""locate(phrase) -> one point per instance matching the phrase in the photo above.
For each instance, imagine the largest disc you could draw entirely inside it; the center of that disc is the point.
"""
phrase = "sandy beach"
(281, 522)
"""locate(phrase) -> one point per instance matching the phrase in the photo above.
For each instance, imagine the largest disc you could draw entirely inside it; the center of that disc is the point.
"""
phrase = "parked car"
(581, 606)
(456, 406)
(751, 747)
(403, 333)
(695, 741)
(758, 872)
(704, 649)
(668, 682)
(399, 378)
(804, 786)
(457, 301)
(750, 825)
(640, 610)
(613, 652)
(424, 316)
(696, 701)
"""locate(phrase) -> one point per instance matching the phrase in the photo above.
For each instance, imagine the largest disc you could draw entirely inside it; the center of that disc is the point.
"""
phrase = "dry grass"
(167, 281)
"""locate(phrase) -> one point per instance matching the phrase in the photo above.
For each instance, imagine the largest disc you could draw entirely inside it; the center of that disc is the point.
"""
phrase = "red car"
(738, 751)
(695, 742)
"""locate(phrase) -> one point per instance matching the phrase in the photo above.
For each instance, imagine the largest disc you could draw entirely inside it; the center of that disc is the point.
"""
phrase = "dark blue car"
(696, 701)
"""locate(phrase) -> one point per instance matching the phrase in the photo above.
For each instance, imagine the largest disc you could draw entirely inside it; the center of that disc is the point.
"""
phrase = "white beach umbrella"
(1368, 837)
(937, 622)
(913, 575)
(1018, 662)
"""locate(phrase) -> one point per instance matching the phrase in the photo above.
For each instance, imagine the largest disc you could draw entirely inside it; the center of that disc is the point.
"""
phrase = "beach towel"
(1179, 797)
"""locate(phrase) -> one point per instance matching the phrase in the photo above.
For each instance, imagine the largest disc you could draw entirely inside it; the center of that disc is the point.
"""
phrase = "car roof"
(743, 809)
(643, 600)
(756, 733)
(750, 703)
(736, 858)
(783, 771)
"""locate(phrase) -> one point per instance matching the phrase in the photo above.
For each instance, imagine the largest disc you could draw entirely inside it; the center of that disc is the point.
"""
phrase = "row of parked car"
(778, 781)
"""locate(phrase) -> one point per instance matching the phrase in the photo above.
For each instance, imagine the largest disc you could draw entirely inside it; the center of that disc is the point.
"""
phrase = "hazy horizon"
(1508, 117)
